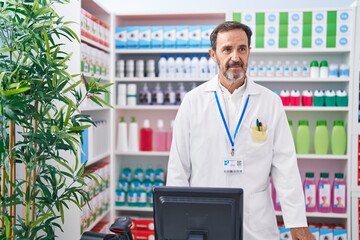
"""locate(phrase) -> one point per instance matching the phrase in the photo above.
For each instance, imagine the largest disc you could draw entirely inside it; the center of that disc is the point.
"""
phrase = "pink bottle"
(160, 137)
(310, 192)
(295, 98)
(338, 194)
(275, 199)
(307, 98)
(324, 193)
(146, 137)
(169, 135)
(285, 97)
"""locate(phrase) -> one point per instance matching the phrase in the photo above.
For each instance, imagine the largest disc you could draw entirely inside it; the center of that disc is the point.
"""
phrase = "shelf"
(300, 79)
(143, 153)
(96, 76)
(299, 50)
(95, 44)
(323, 157)
(321, 215)
(161, 50)
(134, 209)
(93, 108)
(98, 219)
(356, 193)
(98, 158)
(157, 79)
(316, 109)
(148, 107)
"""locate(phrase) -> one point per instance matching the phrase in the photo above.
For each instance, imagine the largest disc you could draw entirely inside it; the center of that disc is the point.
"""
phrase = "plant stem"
(2, 209)
(33, 174)
(12, 172)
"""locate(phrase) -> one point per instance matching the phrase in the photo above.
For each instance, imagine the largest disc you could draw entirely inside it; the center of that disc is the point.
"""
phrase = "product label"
(339, 196)
(310, 195)
(324, 195)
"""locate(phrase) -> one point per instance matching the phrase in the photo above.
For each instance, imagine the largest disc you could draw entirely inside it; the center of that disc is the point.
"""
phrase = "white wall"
(171, 6)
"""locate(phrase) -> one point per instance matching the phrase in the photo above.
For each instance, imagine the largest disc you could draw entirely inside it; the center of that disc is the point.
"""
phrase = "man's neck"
(230, 85)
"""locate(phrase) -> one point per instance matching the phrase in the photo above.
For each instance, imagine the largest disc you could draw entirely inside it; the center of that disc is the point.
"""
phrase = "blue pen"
(258, 124)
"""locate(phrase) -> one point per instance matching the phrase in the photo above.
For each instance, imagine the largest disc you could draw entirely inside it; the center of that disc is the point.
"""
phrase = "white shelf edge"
(148, 107)
(133, 209)
(324, 157)
(143, 153)
(98, 219)
(98, 158)
(96, 76)
(355, 192)
(157, 79)
(93, 108)
(320, 215)
(300, 79)
(96, 44)
(301, 50)
(319, 109)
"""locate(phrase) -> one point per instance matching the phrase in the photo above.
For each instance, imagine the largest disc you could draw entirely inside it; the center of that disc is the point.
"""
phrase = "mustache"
(234, 64)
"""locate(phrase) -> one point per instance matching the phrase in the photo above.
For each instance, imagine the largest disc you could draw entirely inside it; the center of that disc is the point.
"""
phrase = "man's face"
(232, 54)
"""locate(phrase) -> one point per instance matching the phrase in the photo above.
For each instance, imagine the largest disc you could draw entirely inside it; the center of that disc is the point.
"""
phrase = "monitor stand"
(197, 236)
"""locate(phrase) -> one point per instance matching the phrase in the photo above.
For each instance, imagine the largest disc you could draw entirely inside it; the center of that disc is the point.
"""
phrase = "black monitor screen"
(198, 213)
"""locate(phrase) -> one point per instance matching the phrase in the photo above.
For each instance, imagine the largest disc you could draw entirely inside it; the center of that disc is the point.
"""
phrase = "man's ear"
(212, 55)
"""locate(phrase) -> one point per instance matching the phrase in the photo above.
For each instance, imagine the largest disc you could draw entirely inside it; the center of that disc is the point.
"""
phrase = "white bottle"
(324, 69)
(314, 69)
(187, 68)
(195, 67)
(157, 96)
(279, 70)
(180, 93)
(170, 67)
(169, 96)
(261, 70)
(133, 135)
(253, 70)
(122, 143)
(305, 71)
(162, 66)
(204, 67)
(296, 69)
(287, 69)
(179, 67)
(131, 94)
(270, 70)
(213, 68)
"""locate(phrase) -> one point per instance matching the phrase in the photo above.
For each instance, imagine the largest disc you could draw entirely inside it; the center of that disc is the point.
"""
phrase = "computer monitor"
(198, 213)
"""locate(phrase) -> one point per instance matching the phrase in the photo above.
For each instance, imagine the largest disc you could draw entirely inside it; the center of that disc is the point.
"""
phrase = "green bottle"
(321, 137)
(303, 137)
(291, 129)
(338, 138)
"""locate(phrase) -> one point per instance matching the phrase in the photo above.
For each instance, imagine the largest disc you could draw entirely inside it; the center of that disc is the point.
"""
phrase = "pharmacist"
(232, 132)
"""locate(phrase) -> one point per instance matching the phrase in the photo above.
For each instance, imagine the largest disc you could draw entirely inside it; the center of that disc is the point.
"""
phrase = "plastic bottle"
(324, 69)
(204, 67)
(295, 98)
(213, 68)
(287, 69)
(310, 192)
(122, 139)
(170, 67)
(341, 98)
(169, 96)
(145, 95)
(307, 98)
(321, 137)
(285, 97)
(303, 137)
(150, 174)
(139, 174)
(126, 174)
(253, 69)
(157, 97)
(344, 70)
(333, 70)
(160, 137)
(195, 67)
(141, 198)
(180, 93)
(314, 69)
(296, 70)
(339, 194)
(330, 100)
(131, 94)
(179, 67)
(319, 98)
(305, 72)
(261, 69)
(279, 70)
(133, 135)
(324, 193)
(270, 70)
(162, 66)
(338, 138)
(169, 134)
(146, 137)
(291, 129)
(187, 68)
(159, 174)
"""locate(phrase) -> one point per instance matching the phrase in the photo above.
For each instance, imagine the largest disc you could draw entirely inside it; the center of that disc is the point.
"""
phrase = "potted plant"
(39, 120)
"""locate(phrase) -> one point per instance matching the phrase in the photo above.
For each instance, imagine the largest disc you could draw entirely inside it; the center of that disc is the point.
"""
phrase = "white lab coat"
(200, 144)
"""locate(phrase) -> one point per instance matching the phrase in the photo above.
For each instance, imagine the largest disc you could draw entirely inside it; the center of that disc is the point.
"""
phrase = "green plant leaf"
(79, 128)
(99, 101)
(39, 220)
(10, 92)
(72, 86)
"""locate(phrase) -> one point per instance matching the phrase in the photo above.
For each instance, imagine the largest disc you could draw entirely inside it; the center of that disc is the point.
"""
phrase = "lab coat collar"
(251, 87)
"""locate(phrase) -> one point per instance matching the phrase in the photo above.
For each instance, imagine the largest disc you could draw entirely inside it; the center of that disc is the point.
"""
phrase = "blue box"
(169, 36)
(315, 232)
(340, 234)
(145, 37)
(285, 233)
(194, 36)
(326, 234)
(132, 37)
(120, 37)
(182, 36)
(157, 37)
(206, 30)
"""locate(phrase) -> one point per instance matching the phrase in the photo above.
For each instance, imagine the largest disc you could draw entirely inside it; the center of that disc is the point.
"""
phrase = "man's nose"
(235, 56)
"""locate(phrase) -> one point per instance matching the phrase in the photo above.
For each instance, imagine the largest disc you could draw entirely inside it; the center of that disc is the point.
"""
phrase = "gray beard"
(233, 77)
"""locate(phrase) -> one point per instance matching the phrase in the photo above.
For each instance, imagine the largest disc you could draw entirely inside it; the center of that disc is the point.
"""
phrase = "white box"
(157, 37)
(120, 37)
(206, 30)
(315, 232)
(295, 30)
(182, 36)
(132, 37)
(194, 36)
(318, 42)
(318, 30)
(169, 36)
(342, 42)
(272, 18)
(342, 30)
(144, 37)
(295, 18)
(340, 234)
(285, 233)
(248, 18)
(343, 16)
(271, 42)
(295, 42)
(319, 17)
(326, 234)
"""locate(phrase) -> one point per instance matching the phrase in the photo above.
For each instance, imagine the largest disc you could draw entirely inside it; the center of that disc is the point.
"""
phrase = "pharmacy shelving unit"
(73, 226)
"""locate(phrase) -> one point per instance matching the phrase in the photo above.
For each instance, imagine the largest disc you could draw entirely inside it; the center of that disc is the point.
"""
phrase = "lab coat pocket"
(261, 211)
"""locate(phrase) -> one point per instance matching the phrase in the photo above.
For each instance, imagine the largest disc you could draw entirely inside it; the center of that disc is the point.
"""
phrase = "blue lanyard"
(225, 124)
